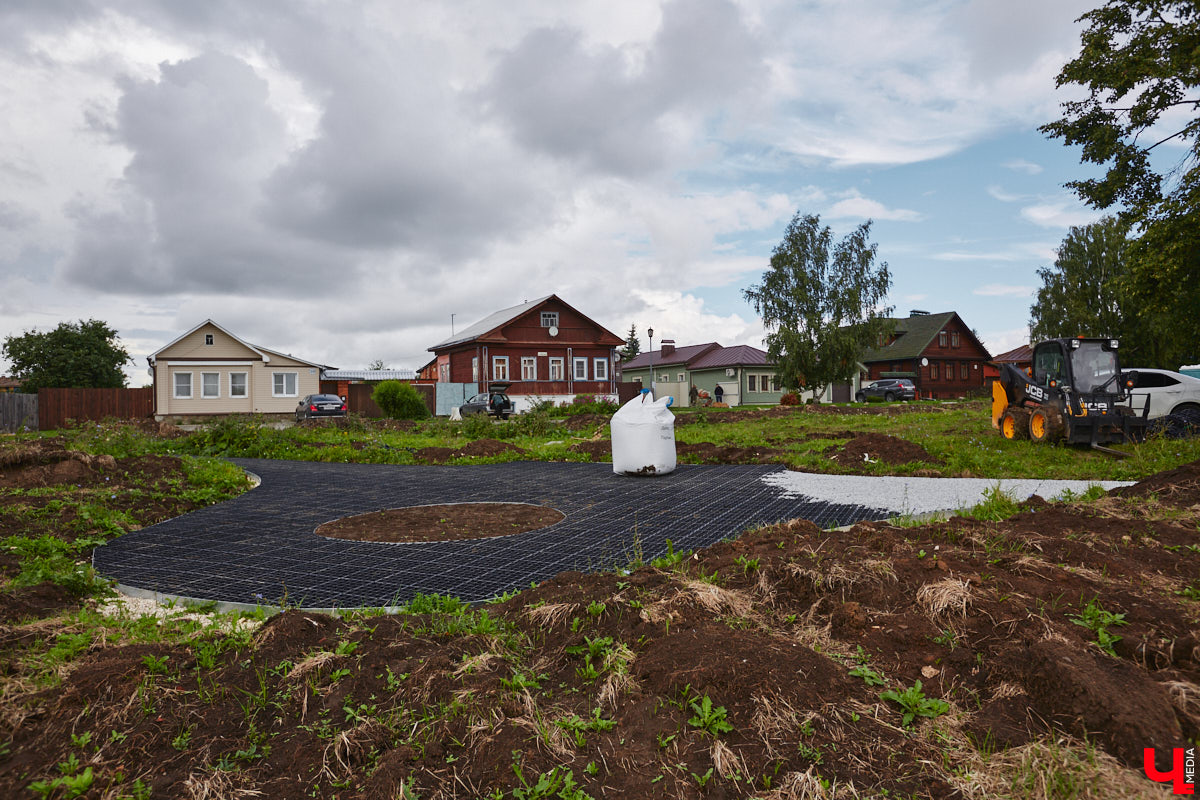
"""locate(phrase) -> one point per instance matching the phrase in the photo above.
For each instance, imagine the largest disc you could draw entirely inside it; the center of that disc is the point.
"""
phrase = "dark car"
(320, 405)
(888, 389)
(494, 402)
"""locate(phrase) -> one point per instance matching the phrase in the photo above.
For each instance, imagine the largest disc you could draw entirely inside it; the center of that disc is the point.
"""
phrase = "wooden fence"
(56, 406)
(18, 412)
(359, 399)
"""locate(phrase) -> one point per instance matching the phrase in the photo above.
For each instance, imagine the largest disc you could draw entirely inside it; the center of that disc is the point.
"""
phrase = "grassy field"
(957, 436)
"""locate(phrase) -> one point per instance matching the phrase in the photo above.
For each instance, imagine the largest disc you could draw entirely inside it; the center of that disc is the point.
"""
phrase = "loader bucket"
(999, 403)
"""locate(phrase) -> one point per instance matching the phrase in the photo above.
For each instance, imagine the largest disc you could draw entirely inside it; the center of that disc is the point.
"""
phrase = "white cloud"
(858, 207)
(1003, 340)
(1003, 196)
(1003, 290)
(1060, 214)
(1021, 165)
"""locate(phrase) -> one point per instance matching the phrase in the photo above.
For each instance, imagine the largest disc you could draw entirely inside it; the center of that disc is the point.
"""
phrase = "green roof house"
(938, 352)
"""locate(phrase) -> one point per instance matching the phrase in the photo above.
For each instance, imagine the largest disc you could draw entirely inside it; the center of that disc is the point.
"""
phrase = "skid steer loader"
(1075, 392)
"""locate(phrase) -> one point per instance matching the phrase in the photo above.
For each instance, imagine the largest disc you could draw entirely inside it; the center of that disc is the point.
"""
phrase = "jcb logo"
(1036, 392)
(1183, 769)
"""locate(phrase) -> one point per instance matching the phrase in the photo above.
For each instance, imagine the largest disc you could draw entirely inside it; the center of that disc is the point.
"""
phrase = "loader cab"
(1050, 364)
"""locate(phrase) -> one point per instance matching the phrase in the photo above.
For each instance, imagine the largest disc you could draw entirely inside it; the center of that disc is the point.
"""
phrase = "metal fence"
(18, 412)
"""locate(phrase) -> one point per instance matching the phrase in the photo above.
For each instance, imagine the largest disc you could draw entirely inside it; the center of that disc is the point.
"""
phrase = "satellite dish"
(924, 362)
(554, 330)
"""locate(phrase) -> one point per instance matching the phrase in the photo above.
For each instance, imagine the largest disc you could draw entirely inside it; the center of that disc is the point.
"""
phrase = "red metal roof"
(681, 355)
(743, 355)
(1018, 355)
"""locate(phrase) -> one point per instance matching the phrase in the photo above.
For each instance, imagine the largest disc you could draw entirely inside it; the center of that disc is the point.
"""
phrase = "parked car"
(888, 389)
(320, 405)
(1167, 392)
(494, 401)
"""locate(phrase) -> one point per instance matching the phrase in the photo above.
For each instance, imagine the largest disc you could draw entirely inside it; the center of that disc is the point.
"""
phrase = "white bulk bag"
(643, 436)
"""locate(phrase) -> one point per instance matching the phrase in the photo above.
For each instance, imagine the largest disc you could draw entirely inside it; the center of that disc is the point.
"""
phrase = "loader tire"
(1014, 423)
(1046, 425)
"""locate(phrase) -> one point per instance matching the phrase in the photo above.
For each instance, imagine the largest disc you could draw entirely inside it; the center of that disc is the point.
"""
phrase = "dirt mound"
(48, 463)
(31, 602)
(596, 449)
(579, 422)
(1179, 486)
(709, 453)
(881, 447)
(442, 523)
(479, 447)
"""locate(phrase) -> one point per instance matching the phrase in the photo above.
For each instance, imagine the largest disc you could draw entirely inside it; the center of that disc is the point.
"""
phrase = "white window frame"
(575, 364)
(245, 384)
(208, 339)
(475, 369)
(175, 386)
(499, 368)
(681, 377)
(599, 369)
(549, 319)
(557, 372)
(637, 379)
(528, 368)
(204, 386)
(751, 382)
(295, 392)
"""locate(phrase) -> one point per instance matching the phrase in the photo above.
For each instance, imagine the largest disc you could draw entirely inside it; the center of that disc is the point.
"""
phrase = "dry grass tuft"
(481, 662)
(215, 785)
(807, 786)
(717, 600)
(725, 761)
(552, 614)
(946, 597)
(1050, 769)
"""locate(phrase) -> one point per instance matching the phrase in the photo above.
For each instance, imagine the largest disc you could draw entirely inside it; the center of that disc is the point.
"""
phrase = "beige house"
(208, 371)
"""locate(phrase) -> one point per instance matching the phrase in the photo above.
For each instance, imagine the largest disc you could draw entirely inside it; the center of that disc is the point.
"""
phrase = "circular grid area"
(262, 547)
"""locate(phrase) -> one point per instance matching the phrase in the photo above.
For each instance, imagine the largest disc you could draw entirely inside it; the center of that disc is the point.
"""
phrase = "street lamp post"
(650, 333)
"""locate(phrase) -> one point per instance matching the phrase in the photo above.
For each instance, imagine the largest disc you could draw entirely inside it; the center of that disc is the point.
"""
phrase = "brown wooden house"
(545, 348)
(937, 352)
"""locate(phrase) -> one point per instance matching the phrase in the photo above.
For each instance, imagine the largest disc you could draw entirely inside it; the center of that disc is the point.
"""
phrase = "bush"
(789, 399)
(400, 400)
(586, 404)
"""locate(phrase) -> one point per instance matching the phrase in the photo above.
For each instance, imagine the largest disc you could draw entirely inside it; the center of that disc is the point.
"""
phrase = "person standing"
(720, 393)
(693, 395)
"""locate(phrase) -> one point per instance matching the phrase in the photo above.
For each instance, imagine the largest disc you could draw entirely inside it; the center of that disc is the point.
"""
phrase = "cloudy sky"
(336, 179)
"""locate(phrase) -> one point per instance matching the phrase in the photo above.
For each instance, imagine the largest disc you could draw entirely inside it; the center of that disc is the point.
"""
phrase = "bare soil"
(605, 675)
(442, 523)
(479, 447)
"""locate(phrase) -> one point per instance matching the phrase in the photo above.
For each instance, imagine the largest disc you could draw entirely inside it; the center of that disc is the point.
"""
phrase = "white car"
(1167, 392)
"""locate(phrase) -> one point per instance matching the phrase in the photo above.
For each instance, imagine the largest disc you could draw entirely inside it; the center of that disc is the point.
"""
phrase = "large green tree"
(822, 303)
(1082, 293)
(1140, 120)
(83, 354)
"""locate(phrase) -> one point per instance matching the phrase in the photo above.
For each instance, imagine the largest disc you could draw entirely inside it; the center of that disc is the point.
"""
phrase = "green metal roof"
(913, 335)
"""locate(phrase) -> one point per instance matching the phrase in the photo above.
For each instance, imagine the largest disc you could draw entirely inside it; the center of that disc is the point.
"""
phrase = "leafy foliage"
(632, 345)
(1140, 65)
(821, 303)
(1081, 293)
(913, 703)
(400, 400)
(83, 354)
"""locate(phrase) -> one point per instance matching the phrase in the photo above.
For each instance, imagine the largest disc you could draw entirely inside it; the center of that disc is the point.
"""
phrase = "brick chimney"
(668, 347)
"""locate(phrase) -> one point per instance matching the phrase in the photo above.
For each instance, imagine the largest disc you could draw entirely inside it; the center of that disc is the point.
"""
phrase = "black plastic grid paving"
(261, 547)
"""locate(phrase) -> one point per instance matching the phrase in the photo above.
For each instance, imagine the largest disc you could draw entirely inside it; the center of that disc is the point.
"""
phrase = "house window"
(681, 377)
(283, 384)
(954, 339)
(500, 368)
(580, 369)
(895, 367)
(933, 371)
(183, 385)
(637, 379)
(752, 383)
(528, 368)
(774, 383)
(444, 373)
(210, 384)
(556, 369)
(208, 338)
(237, 384)
(600, 369)
(942, 339)
(475, 368)
(549, 319)
(962, 370)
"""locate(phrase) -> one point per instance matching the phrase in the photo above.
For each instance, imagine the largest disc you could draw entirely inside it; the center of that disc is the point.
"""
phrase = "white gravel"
(918, 496)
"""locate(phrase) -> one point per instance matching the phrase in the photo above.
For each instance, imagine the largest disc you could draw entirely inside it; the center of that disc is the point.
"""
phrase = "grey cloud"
(572, 100)
(15, 218)
(187, 212)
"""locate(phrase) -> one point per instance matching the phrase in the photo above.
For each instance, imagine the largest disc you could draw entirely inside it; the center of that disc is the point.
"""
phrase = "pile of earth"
(442, 523)
(867, 447)
(479, 447)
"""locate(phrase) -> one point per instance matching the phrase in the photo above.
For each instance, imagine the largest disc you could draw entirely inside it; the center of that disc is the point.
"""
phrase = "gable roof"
(682, 355)
(914, 334)
(742, 355)
(484, 328)
(1018, 355)
(262, 351)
